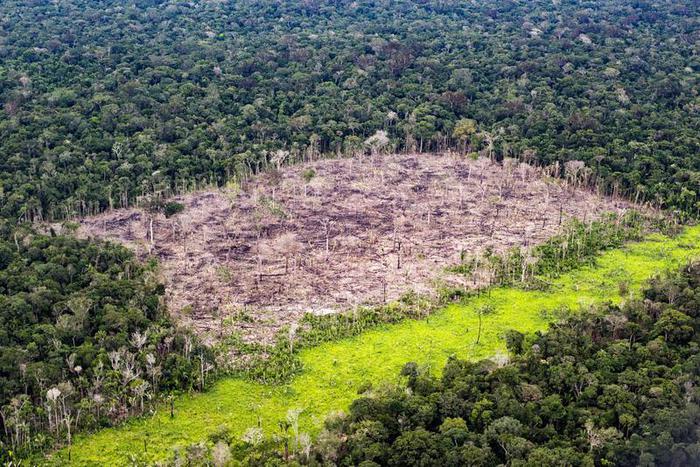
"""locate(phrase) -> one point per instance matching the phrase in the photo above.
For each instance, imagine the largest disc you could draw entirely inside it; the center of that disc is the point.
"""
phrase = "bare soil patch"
(330, 235)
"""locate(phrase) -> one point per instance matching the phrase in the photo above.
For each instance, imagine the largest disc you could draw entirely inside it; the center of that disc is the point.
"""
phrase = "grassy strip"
(277, 365)
(578, 244)
(333, 372)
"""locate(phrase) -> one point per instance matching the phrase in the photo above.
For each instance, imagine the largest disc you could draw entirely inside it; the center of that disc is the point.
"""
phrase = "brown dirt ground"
(361, 231)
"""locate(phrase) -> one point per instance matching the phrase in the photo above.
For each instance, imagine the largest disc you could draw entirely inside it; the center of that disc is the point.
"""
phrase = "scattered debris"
(359, 231)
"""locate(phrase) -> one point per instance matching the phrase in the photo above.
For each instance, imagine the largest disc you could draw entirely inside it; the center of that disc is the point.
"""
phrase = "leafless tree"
(139, 339)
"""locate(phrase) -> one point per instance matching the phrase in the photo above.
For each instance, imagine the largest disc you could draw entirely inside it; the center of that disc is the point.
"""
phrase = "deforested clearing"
(330, 235)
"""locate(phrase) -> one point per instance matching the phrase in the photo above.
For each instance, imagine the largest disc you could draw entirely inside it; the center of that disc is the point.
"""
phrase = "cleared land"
(334, 234)
(333, 372)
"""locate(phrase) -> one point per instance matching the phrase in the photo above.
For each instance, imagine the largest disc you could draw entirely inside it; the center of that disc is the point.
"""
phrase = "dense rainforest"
(105, 104)
(105, 101)
(84, 340)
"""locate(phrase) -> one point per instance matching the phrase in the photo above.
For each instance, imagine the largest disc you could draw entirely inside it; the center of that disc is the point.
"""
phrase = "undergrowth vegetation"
(277, 364)
(250, 413)
(577, 245)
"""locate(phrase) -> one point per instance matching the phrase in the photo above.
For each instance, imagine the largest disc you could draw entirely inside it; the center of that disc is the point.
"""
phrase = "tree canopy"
(84, 340)
(108, 103)
(104, 102)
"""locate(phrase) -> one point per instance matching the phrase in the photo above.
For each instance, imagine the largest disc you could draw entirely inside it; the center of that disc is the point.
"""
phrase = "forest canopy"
(104, 102)
(84, 340)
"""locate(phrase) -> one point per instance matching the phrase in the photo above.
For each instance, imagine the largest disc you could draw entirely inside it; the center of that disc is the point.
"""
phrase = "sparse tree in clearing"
(290, 248)
(293, 421)
(400, 224)
(528, 155)
(377, 142)
(171, 400)
(463, 131)
(279, 157)
(425, 126)
(409, 133)
(187, 347)
(153, 206)
(204, 368)
(291, 336)
(490, 139)
(326, 223)
(527, 264)
(384, 285)
(263, 250)
(575, 172)
(308, 174)
(481, 312)
(507, 182)
(284, 426)
(312, 149)
(352, 145)
(141, 391)
(524, 171)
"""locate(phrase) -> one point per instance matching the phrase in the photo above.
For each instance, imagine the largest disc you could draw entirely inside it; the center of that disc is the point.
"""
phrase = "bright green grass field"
(334, 371)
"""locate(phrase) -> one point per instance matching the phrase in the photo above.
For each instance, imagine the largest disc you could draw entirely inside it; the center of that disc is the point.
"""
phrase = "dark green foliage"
(82, 320)
(106, 102)
(172, 208)
(514, 342)
(614, 386)
(308, 175)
